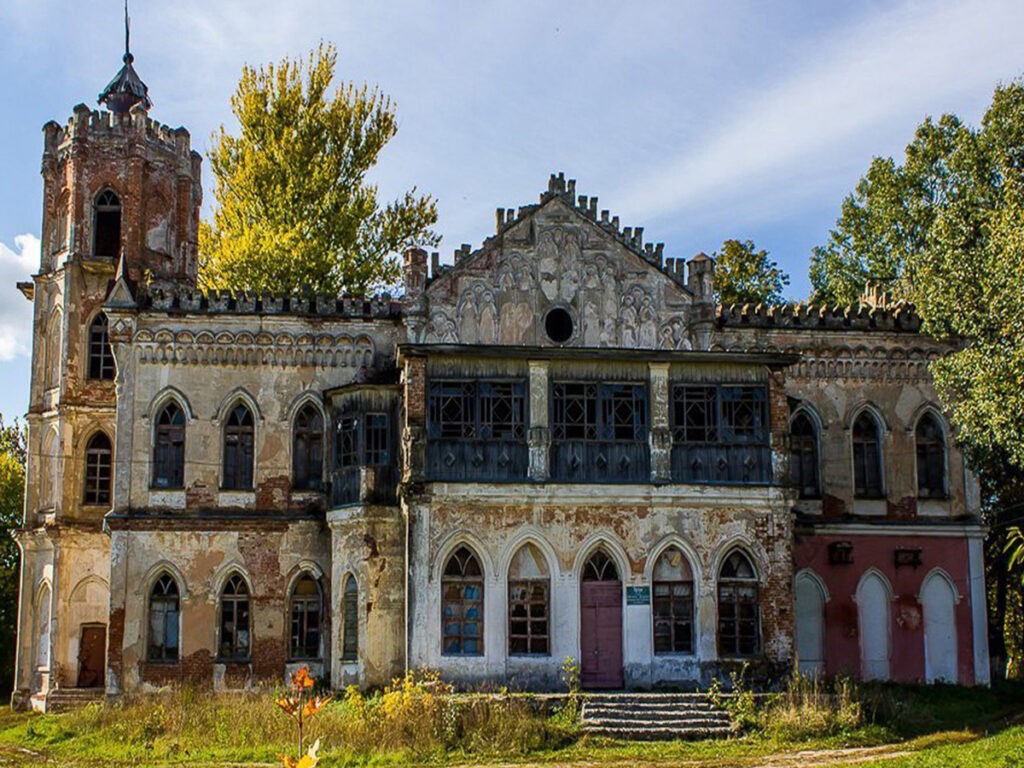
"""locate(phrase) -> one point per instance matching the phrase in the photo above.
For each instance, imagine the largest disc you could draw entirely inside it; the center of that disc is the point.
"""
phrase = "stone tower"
(121, 196)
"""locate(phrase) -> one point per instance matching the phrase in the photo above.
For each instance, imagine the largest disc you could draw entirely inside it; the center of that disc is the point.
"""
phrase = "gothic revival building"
(557, 446)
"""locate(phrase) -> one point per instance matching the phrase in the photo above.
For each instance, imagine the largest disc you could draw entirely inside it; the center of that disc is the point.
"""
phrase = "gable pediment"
(556, 256)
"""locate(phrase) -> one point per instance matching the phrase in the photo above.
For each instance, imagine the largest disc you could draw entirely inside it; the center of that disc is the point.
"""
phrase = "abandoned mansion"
(557, 446)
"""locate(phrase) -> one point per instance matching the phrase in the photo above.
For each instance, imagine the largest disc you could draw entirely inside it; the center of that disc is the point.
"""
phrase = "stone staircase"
(64, 699)
(654, 716)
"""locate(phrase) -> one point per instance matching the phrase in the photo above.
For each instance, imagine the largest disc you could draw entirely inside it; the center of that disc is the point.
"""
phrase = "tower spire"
(126, 89)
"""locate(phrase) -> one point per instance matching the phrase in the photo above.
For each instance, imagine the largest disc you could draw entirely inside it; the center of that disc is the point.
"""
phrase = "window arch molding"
(811, 574)
(933, 410)
(675, 541)
(159, 568)
(872, 571)
(308, 400)
(751, 549)
(529, 535)
(239, 395)
(611, 546)
(300, 401)
(464, 538)
(162, 398)
(866, 406)
(939, 573)
(226, 572)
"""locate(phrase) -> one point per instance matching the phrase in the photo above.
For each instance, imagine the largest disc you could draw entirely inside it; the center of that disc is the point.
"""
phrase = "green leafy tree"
(745, 275)
(294, 211)
(12, 497)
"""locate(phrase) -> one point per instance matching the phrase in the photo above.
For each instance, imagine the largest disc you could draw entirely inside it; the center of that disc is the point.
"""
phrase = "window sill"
(164, 662)
(232, 661)
(305, 660)
(528, 656)
(462, 655)
(675, 655)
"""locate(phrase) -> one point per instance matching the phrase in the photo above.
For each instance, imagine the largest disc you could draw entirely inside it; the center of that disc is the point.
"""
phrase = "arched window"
(739, 625)
(169, 448)
(164, 609)
(931, 458)
(107, 225)
(350, 620)
(529, 597)
(238, 449)
(673, 603)
(804, 458)
(307, 449)
(462, 605)
(101, 359)
(867, 458)
(97, 470)
(234, 620)
(306, 613)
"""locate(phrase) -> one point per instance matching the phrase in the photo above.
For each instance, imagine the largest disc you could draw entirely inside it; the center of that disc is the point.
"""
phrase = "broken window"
(529, 588)
(101, 359)
(169, 448)
(234, 620)
(462, 605)
(350, 620)
(803, 462)
(672, 603)
(739, 619)
(930, 444)
(307, 449)
(600, 567)
(363, 440)
(306, 612)
(239, 434)
(720, 434)
(107, 225)
(164, 610)
(867, 457)
(97, 470)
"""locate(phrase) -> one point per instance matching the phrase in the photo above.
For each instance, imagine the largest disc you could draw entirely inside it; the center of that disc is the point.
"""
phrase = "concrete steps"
(654, 716)
(64, 699)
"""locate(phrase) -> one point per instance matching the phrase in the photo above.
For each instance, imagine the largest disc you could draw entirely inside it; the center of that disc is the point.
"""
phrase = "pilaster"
(660, 434)
(539, 435)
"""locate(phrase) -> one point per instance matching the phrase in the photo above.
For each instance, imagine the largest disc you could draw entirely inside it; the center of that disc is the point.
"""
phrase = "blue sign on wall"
(638, 595)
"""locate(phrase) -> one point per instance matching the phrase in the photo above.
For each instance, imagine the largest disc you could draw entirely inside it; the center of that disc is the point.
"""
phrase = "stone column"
(540, 431)
(661, 435)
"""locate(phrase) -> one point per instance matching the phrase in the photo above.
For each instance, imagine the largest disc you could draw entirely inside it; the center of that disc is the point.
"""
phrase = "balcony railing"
(600, 461)
(722, 464)
(477, 460)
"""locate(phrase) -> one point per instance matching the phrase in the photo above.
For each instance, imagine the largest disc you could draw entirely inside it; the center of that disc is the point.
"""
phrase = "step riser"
(655, 717)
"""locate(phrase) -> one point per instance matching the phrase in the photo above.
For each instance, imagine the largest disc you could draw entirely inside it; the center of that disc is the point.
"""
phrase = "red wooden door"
(601, 634)
(92, 656)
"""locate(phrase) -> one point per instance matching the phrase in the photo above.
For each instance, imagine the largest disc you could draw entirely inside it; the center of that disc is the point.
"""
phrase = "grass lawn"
(902, 726)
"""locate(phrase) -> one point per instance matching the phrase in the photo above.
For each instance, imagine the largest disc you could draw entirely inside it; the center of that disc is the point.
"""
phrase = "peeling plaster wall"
(568, 522)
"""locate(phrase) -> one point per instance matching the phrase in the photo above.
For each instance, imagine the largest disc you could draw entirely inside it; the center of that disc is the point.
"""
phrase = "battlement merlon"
(87, 125)
(183, 300)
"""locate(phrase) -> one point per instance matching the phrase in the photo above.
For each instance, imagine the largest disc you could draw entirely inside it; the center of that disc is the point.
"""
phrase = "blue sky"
(699, 121)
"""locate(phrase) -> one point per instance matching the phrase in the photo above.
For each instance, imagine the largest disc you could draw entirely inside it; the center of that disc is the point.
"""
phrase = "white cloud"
(15, 312)
(846, 96)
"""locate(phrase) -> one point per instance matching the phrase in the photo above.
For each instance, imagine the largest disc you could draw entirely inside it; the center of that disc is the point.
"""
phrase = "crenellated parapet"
(898, 317)
(191, 301)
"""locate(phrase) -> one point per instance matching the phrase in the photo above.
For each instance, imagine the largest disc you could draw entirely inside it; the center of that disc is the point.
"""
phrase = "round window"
(558, 325)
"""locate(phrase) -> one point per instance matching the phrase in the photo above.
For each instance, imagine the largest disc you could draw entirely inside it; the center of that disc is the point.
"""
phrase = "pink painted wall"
(842, 648)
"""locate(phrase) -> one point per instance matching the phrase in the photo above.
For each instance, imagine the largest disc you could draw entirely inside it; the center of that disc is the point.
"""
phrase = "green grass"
(902, 726)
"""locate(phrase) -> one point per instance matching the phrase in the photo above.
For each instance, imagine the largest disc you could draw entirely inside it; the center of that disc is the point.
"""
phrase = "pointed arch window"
(164, 612)
(930, 444)
(350, 620)
(234, 620)
(169, 448)
(739, 619)
(529, 599)
(101, 359)
(238, 449)
(107, 224)
(803, 436)
(672, 588)
(306, 618)
(97, 470)
(867, 457)
(307, 449)
(462, 605)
